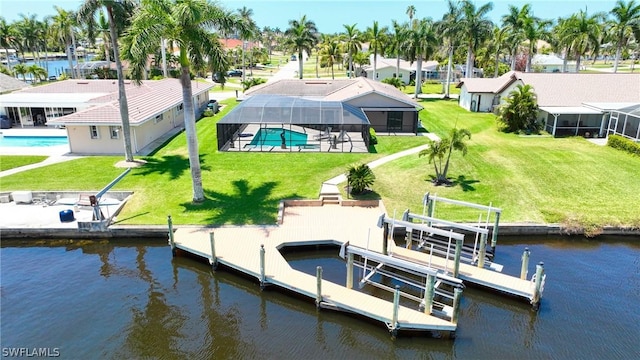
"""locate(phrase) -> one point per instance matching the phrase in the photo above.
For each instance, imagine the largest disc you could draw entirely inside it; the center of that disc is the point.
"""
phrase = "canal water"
(133, 300)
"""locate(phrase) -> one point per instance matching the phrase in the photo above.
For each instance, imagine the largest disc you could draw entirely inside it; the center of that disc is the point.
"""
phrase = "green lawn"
(10, 162)
(536, 179)
(241, 188)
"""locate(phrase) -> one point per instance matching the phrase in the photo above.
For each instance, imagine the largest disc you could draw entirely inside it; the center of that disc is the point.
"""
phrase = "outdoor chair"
(326, 134)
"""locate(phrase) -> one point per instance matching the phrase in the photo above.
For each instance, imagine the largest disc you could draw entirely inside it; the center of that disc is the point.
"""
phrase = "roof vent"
(82, 82)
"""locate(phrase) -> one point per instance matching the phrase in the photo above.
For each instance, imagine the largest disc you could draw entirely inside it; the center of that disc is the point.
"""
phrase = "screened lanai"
(625, 122)
(279, 123)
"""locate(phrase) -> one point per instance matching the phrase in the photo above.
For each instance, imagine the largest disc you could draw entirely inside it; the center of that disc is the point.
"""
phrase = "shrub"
(395, 82)
(622, 143)
(208, 113)
(360, 177)
(373, 138)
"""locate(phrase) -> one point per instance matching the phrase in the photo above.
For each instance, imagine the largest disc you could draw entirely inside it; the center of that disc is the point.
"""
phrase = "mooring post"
(396, 305)
(525, 264)
(428, 294)
(408, 238)
(456, 304)
(538, 292)
(429, 210)
(319, 285)
(494, 234)
(405, 215)
(483, 250)
(214, 259)
(456, 260)
(262, 276)
(350, 271)
(172, 243)
(385, 238)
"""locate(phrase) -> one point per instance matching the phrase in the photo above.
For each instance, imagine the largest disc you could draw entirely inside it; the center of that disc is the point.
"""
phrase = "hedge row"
(622, 143)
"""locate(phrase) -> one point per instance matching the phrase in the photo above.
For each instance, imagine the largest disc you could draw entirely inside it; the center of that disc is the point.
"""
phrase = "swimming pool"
(33, 141)
(273, 137)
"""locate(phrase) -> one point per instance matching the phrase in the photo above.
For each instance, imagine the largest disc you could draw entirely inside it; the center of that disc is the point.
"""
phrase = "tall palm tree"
(398, 39)
(449, 29)
(476, 27)
(421, 44)
(377, 37)
(248, 33)
(38, 73)
(411, 12)
(497, 44)
(117, 13)
(63, 25)
(626, 18)
(191, 25)
(534, 29)
(7, 38)
(513, 29)
(29, 33)
(352, 43)
(583, 33)
(301, 36)
(330, 53)
(437, 150)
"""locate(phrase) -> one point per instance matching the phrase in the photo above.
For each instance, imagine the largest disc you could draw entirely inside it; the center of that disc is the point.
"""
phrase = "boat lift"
(436, 292)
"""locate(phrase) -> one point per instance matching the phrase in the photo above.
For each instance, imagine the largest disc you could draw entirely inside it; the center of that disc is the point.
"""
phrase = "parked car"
(234, 73)
(53, 78)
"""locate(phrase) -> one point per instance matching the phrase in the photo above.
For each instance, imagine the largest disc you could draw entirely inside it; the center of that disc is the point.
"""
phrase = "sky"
(330, 15)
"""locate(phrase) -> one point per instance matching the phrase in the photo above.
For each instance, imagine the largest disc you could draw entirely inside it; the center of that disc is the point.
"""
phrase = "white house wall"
(80, 141)
(469, 101)
(388, 72)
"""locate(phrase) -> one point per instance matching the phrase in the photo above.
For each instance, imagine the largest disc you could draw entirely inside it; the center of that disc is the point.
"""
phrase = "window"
(114, 131)
(400, 75)
(158, 118)
(377, 75)
(179, 108)
(94, 132)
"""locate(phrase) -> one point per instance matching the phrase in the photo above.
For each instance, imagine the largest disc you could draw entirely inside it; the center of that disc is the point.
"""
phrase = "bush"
(360, 177)
(622, 143)
(395, 82)
(373, 138)
(208, 113)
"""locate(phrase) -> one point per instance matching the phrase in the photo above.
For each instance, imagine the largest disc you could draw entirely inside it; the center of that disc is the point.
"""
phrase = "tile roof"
(331, 90)
(9, 83)
(565, 89)
(382, 62)
(152, 98)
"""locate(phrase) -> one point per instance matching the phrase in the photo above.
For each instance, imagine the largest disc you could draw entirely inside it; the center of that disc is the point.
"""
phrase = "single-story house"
(90, 112)
(387, 68)
(551, 63)
(326, 110)
(569, 103)
(9, 84)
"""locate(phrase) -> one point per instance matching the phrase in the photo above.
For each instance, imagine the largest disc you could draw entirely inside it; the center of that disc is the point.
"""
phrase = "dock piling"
(539, 280)
(494, 233)
(319, 285)
(350, 271)
(428, 294)
(525, 264)
(262, 276)
(456, 260)
(396, 304)
(214, 259)
(172, 243)
(456, 304)
(483, 250)
(385, 238)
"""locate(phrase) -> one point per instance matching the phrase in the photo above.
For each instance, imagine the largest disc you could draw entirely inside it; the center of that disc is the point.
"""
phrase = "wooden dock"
(240, 247)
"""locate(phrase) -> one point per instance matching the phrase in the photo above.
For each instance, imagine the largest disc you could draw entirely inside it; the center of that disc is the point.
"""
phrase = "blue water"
(273, 137)
(33, 141)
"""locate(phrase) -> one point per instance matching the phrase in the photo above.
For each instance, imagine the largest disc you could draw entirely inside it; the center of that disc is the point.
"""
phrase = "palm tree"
(519, 112)
(359, 178)
(582, 32)
(420, 45)
(626, 19)
(330, 53)
(441, 148)
(63, 27)
(411, 11)
(398, 39)
(513, 29)
(352, 44)
(38, 73)
(21, 69)
(302, 36)
(497, 45)
(188, 23)
(449, 29)
(7, 38)
(117, 13)
(476, 27)
(29, 33)
(377, 39)
(534, 29)
(248, 32)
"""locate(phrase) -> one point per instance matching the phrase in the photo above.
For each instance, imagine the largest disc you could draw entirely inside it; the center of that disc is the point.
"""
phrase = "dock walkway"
(239, 248)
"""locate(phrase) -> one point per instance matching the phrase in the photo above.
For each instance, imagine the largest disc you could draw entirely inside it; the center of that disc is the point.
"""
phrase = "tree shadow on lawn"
(464, 183)
(174, 165)
(246, 205)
